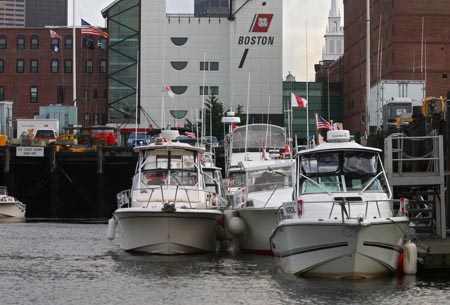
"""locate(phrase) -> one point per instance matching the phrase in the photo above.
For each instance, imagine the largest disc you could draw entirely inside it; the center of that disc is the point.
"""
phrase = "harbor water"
(74, 263)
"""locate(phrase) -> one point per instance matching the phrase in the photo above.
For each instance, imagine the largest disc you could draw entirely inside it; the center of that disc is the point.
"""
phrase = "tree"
(214, 114)
(240, 113)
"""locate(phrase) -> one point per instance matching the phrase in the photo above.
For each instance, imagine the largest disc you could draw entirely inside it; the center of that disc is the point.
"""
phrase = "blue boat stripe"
(383, 245)
(311, 249)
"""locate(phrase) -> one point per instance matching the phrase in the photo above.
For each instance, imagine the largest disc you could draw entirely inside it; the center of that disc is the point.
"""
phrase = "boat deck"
(433, 254)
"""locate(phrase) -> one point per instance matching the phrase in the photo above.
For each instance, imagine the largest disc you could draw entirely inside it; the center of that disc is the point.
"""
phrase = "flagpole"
(74, 59)
(137, 95)
(307, 88)
(163, 76)
(203, 95)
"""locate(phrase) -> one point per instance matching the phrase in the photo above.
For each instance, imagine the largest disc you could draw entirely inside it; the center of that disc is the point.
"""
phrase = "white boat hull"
(12, 209)
(259, 225)
(329, 248)
(182, 232)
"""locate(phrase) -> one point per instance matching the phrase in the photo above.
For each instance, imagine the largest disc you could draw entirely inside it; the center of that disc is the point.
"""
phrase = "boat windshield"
(269, 180)
(258, 136)
(341, 172)
(173, 168)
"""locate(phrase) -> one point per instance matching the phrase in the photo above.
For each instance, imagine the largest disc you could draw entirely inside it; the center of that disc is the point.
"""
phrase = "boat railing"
(192, 196)
(350, 209)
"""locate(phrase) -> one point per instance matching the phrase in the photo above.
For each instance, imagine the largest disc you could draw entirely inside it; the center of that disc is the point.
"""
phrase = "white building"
(236, 57)
(334, 37)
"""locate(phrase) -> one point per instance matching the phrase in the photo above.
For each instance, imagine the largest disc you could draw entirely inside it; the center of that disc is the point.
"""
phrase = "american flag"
(94, 31)
(323, 124)
(189, 134)
(53, 34)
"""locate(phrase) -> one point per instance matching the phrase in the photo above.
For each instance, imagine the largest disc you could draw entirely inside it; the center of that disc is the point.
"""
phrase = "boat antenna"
(137, 98)
(246, 128)
(267, 125)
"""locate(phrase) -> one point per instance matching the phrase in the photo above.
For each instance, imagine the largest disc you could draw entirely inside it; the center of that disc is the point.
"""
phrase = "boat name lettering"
(256, 40)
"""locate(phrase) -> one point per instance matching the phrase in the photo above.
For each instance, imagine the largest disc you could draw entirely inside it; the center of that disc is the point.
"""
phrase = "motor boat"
(342, 222)
(168, 209)
(10, 206)
(258, 180)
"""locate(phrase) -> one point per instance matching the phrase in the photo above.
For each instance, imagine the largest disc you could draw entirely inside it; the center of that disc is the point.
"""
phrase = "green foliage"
(214, 108)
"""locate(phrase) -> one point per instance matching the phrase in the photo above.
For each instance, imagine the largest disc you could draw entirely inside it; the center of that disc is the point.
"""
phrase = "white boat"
(259, 180)
(342, 224)
(10, 206)
(168, 210)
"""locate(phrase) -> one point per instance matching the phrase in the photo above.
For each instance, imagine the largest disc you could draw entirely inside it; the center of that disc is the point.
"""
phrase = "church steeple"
(334, 36)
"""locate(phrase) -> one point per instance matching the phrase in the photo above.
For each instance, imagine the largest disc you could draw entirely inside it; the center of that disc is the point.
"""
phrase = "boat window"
(320, 163)
(182, 162)
(183, 177)
(258, 136)
(358, 183)
(237, 179)
(360, 162)
(269, 180)
(153, 161)
(154, 177)
(320, 184)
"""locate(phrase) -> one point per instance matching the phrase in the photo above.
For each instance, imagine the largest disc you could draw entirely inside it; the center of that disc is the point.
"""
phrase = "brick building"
(32, 74)
(398, 51)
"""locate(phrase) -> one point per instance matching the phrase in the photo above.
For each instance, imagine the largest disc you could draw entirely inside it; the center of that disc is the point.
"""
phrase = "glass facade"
(329, 106)
(123, 25)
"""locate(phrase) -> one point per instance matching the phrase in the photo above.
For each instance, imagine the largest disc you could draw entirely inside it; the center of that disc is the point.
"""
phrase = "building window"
(55, 43)
(95, 94)
(34, 66)
(34, 44)
(214, 90)
(203, 90)
(54, 68)
(33, 94)
(444, 75)
(89, 66)
(2, 42)
(88, 43)
(68, 42)
(214, 66)
(60, 94)
(204, 66)
(2, 93)
(102, 66)
(20, 42)
(101, 44)
(68, 66)
(20, 66)
(2, 66)
(85, 94)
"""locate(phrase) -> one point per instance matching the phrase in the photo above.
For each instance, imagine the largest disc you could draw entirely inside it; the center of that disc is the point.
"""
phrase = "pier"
(58, 182)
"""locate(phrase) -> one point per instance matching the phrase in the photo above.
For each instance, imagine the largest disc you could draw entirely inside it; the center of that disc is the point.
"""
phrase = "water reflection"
(69, 263)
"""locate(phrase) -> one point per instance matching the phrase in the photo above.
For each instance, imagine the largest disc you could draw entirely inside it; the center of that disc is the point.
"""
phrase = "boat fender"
(410, 258)
(111, 228)
(236, 225)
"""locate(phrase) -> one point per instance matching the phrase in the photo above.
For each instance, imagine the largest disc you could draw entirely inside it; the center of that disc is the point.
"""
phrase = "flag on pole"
(321, 123)
(169, 91)
(88, 29)
(298, 101)
(53, 34)
(190, 134)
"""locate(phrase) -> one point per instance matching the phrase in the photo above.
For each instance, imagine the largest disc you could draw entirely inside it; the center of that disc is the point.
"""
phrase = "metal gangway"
(418, 161)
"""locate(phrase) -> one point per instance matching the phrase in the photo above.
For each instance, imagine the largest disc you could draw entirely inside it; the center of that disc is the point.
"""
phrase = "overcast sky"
(302, 19)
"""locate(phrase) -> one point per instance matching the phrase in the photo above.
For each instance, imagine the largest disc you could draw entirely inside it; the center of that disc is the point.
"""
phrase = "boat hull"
(330, 248)
(184, 231)
(259, 225)
(12, 209)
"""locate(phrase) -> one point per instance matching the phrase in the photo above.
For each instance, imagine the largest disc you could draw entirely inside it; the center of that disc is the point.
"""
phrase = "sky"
(305, 23)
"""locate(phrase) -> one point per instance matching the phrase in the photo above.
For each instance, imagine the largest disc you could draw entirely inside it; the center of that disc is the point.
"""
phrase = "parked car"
(138, 139)
(47, 135)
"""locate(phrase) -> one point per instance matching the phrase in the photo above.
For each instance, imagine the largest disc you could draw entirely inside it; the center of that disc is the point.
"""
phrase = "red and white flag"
(53, 34)
(190, 134)
(298, 101)
(169, 91)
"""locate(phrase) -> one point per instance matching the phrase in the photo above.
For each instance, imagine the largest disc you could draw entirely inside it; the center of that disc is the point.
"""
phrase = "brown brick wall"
(17, 85)
(401, 35)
